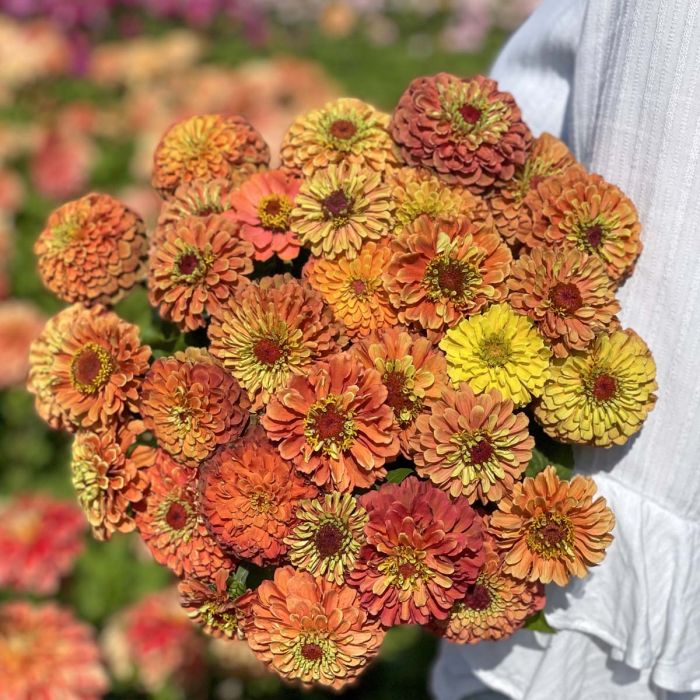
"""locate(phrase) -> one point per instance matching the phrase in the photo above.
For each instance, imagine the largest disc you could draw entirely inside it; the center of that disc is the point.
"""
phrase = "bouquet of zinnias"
(331, 434)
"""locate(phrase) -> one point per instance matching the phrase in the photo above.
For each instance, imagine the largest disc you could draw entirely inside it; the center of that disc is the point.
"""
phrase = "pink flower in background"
(20, 324)
(11, 191)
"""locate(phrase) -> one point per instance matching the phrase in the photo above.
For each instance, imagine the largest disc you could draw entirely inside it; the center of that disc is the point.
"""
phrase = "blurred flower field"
(83, 101)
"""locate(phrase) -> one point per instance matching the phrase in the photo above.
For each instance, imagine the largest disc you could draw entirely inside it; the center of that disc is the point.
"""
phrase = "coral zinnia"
(108, 474)
(197, 267)
(601, 396)
(346, 130)
(339, 208)
(248, 497)
(422, 551)
(328, 536)
(270, 331)
(263, 204)
(494, 606)
(47, 653)
(413, 372)
(549, 530)
(208, 147)
(170, 523)
(509, 205)
(566, 292)
(473, 446)
(311, 630)
(355, 289)
(192, 406)
(93, 249)
(88, 364)
(40, 539)
(465, 130)
(499, 349)
(583, 209)
(334, 424)
(441, 271)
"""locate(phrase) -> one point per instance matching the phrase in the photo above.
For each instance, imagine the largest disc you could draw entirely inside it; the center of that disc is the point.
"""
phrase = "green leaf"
(538, 623)
(396, 476)
(547, 452)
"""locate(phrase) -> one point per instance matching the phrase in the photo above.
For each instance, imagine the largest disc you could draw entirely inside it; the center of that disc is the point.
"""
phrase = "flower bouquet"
(360, 363)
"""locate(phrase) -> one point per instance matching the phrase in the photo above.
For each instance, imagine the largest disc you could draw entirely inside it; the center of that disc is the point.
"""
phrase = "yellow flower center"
(328, 427)
(447, 278)
(261, 502)
(274, 211)
(405, 404)
(90, 368)
(313, 650)
(65, 232)
(405, 567)
(551, 536)
(495, 350)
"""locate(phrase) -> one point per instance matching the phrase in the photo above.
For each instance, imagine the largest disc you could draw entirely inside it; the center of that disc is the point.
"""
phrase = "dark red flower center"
(594, 235)
(336, 203)
(330, 423)
(87, 366)
(480, 452)
(329, 539)
(359, 287)
(396, 397)
(343, 129)
(91, 368)
(477, 597)
(407, 570)
(450, 278)
(273, 206)
(176, 516)
(470, 113)
(188, 263)
(566, 297)
(267, 351)
(312, 652)
(604, 387)
(552, 533)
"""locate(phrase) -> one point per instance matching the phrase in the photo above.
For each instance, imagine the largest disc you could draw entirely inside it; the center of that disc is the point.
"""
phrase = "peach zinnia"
(549, 530)
(92, 250)
(197, 268)
(566, 292)
(208, 147)
(466, 130)
(248, 497)
(192, 407)
(311, 630)
(334, 424)
(263, 204)
(413, 372)
(473, 446)
(441, 271)
(170, 522)
(422, 551)
(355, 289)
(270, 331)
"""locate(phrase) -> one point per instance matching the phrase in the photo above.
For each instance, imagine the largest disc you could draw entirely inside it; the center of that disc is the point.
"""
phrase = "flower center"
(274, 211)
(594, 236)
(343, 129)
(470, 113)
(399, 397)
(91, 368)
(176, 516)
(481, 452)
(535, 181)
(260, 502)
(495, 350)
(359, 288)
(604, 387)
(329, 539)
(566, 298)
(191, 264)
(477, 597)
(446, 278)
(551, 536)
(328, 428)
(337, 204)
(407, 570)
(312, 651)
(267, 351)
(330, 423)
(188, 264)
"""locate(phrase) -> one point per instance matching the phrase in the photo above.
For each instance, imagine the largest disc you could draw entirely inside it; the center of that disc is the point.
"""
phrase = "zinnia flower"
(248, 497)
(328, 536)
(498, 349)
(566, 292)
(86, 366)
(341, 207)
(192, 407)
(601, 396)
(464, 129)
(549, 530)
(346, 130)
(47, 653)
(311, 630)
(21, 323)
(441, 271)
(412, 370)
(494, 606)
(93, 249)
(473, 446)
(170, 522)
(270, 331)
(355, 289)
(197, 268)
(334, 424)
(509, 205)
(40, 539)
(208, 147)
(422, 552)
(263, 204)
(584, 210)
(108, 475)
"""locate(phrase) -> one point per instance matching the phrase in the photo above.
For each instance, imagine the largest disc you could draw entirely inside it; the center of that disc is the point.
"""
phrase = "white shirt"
(619, 81)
